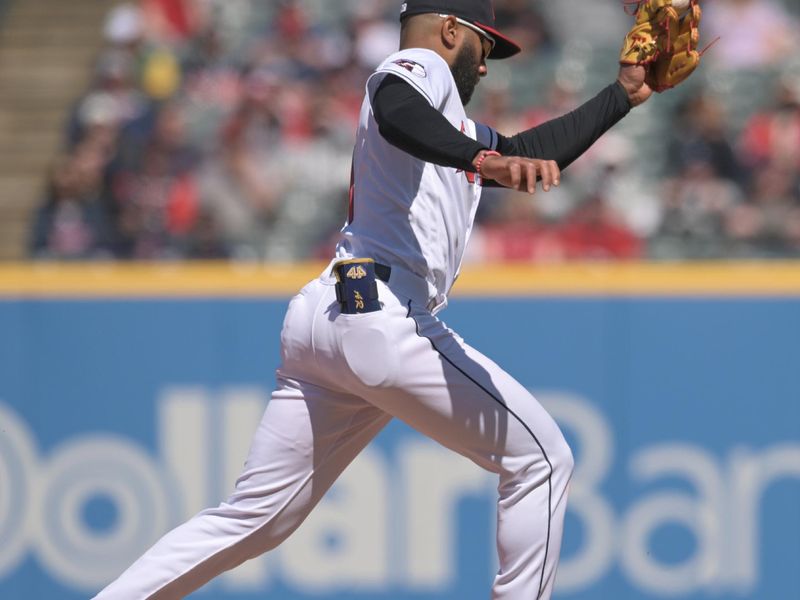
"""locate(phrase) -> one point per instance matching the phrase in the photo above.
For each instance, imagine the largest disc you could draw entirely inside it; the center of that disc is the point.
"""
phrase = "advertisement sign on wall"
(122, 417)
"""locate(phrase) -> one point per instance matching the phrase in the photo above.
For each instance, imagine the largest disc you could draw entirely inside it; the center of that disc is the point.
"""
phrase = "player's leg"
(307, 436)
(455, 395)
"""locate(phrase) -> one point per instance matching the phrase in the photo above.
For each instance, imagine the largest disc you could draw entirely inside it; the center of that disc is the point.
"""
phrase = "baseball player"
(362, 344)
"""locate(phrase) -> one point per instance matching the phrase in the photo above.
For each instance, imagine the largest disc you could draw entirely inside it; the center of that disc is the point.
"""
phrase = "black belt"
(383, 272)
(356, 289)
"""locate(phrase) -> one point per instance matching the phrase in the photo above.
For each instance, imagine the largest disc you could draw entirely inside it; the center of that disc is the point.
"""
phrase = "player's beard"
(465, 71)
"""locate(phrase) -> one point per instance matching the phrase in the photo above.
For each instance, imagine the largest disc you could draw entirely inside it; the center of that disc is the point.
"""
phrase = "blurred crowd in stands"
(218, 129)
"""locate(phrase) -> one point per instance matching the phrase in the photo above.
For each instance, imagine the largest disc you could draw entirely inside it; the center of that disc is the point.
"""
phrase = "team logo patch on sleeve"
(412, 67)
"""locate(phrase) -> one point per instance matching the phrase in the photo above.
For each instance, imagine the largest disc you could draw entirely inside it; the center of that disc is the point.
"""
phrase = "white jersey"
(406, 212)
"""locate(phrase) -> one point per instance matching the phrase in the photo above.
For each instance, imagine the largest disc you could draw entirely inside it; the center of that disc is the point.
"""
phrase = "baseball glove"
(664, 38)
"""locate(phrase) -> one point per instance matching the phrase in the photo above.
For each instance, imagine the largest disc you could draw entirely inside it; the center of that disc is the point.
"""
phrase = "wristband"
(482, 157)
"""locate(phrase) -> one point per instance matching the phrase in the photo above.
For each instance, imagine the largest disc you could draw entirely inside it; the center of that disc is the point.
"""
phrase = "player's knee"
(542, 462)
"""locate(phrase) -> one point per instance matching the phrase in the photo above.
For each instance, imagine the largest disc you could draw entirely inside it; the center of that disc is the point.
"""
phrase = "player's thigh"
(454, 394)
(308, 434)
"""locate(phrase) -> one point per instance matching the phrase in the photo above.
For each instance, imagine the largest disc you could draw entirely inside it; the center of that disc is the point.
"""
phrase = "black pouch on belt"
(356, 289)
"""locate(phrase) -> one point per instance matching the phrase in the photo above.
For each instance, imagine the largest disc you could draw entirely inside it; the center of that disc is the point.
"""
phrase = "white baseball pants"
(342, 379)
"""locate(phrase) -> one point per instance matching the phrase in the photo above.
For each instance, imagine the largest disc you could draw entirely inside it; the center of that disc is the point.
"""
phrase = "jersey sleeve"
(424, 70)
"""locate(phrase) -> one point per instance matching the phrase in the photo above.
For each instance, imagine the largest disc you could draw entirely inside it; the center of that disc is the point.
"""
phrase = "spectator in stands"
(524, 22)
(752, 33)
(154, 192)
(314, 199)
(773, 136)
(696, 202)
(291, 42)
(516, 232)
(204, 114)
(375, 37)
(114, 100)
(701, 129)
(494, 106)
(525, 229)
(124, 27)
(72, 222)
(593, 231)
(171, 22)
(238, 184)
(767, 224)
(242, 214)
(628, 193)
(206, 240)
(212, 87)
(125, 36)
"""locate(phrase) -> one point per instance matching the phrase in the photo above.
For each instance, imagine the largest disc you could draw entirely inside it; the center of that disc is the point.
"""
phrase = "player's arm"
(408, 121)
(564, 139)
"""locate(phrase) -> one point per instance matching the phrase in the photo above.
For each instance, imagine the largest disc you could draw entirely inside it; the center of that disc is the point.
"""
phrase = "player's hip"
(320, 326)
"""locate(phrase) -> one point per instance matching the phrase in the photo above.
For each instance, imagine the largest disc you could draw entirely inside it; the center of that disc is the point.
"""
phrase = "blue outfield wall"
(120, 418)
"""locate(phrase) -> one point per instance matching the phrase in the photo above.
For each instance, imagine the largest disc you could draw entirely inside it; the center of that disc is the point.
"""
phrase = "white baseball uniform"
(343, 377)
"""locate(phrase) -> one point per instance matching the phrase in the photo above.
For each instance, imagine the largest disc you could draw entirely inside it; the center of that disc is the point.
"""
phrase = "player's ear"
(449, 32)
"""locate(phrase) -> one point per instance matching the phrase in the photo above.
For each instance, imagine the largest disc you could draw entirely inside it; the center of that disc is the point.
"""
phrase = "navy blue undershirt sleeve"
(406, 120)
(564, 139)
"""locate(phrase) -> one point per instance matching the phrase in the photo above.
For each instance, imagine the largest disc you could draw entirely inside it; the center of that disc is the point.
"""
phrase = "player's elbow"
(391, 132)
(388, 120)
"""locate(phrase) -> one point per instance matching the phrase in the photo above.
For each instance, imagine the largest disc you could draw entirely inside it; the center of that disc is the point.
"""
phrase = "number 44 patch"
(356, 272)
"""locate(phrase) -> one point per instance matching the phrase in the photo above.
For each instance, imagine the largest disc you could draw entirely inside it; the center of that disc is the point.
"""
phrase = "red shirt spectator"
(592, 232)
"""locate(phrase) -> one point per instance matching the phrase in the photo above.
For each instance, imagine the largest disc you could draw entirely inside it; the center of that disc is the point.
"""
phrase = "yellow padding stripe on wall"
(232, 280)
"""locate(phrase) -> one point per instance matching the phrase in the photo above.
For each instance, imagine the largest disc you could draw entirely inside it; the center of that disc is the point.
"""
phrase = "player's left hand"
(521, 174)
(632, 78)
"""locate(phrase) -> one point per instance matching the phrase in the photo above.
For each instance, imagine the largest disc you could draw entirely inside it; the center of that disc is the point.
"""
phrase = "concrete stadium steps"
(17, 210)
(47, 48)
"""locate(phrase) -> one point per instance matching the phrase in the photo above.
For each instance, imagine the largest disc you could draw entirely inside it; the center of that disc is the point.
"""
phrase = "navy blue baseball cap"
(475, 14)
